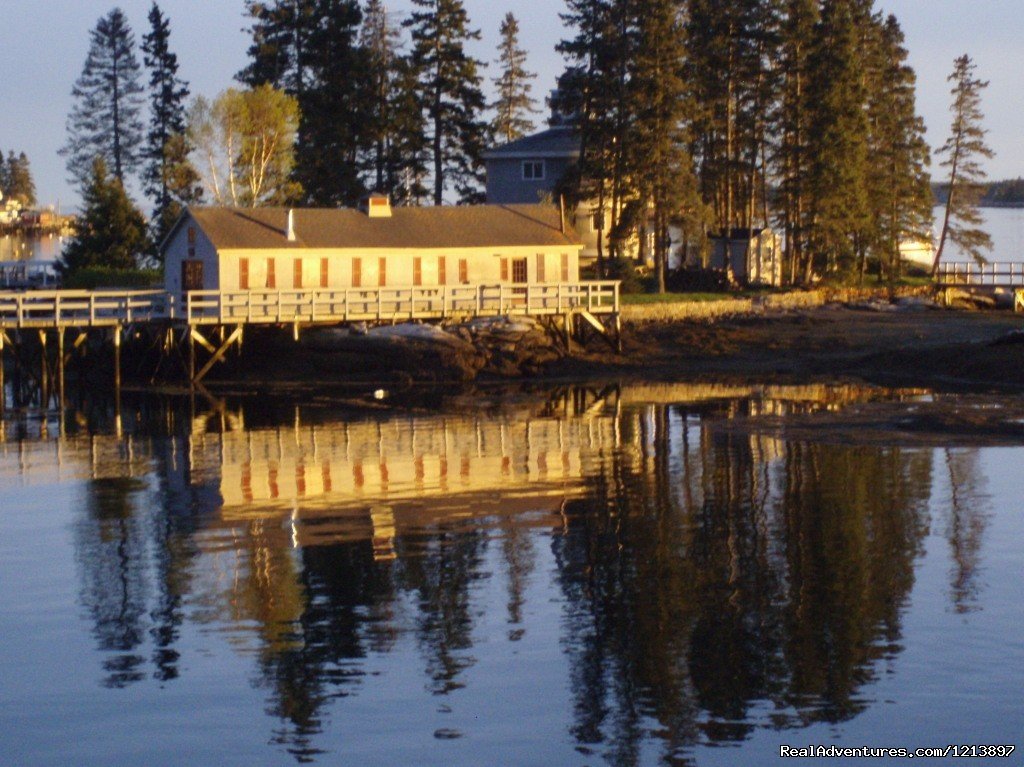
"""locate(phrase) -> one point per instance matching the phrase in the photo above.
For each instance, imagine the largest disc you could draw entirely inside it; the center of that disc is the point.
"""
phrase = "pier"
(210, 321)
(1003, 275)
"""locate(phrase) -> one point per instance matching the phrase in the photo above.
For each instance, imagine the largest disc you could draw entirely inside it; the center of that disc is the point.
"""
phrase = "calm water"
(1006, 228)
(607, 578)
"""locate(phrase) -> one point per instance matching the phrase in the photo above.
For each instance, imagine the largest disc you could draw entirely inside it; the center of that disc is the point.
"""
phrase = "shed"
(753, 255)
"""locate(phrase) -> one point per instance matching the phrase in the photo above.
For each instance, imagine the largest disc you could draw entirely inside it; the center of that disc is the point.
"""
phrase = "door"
(191, 275)
(519, 279)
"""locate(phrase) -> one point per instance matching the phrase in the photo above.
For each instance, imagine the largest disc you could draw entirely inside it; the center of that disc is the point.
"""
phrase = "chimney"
(290, 231)
(378, 206)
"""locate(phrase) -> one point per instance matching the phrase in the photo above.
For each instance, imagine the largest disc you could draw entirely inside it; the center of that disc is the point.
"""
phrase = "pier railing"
(81, 308)
(71, 308)
(992, 275)
(393, 304)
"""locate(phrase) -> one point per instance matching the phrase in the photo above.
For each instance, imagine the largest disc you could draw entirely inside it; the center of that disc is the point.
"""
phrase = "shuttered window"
(417, 271)
(243, 274)
(519, 270)
(271, 273)
(463, 271)
(504, 270)
(540, 267)
(382, 272)
(442, 270)
(325, 272)
(297, 273)
(357, 272)
(565, 267)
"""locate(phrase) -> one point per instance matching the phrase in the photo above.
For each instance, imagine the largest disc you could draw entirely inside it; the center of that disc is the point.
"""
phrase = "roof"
(560, 141)
(470, 226)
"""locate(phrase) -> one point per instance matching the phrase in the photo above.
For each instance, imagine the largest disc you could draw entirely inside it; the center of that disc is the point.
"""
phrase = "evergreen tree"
(450, 95)
(514, 104)
(105, 119)
(898, 182)
(839, 140)
(379, 39)
(111, 231)
(16, 181)
(308, 49)
(962, 154)
(183, 183)
(167, 106)
(658, 162)
(792, 158)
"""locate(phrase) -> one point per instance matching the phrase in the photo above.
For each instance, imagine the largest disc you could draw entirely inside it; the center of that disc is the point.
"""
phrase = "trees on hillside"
(245, 146)
(16, 181)
(962, 154)
(450, 95)
(105, 120)
(514, 104)
(111, 231)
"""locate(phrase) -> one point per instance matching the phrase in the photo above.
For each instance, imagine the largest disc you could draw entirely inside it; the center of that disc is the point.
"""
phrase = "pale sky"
(43, 45)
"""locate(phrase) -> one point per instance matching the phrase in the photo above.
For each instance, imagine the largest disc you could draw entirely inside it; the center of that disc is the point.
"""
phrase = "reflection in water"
(709, 583)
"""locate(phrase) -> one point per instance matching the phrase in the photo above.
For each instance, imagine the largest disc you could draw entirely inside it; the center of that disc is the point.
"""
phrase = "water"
(567, 577)
(48, 247)
(1006, 228)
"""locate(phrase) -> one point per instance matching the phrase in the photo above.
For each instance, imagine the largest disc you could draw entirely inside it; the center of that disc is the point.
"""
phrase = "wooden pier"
(216, 320)
(1008, 276)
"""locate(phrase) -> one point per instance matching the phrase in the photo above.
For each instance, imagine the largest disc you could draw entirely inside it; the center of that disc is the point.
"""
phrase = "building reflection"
(711, 581)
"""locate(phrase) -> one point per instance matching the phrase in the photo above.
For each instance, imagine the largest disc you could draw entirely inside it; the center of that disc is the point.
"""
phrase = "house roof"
(560, 141)
(470, 226)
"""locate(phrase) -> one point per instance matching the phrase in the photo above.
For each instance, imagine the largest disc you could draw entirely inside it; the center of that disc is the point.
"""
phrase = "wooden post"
(191, 355)
(3, 387)
(60, 367)
(117, 359)
(44, 384)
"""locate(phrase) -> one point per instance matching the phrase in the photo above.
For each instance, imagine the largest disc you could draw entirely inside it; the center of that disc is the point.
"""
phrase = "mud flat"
(924, 347)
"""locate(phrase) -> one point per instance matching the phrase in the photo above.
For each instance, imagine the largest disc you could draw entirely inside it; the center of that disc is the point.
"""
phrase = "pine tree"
(450, 95)
(792, 158)
(963, 152)
(167, 106)
(898, 182)
(308, 49)
(105, 119)
(658, 162)
(16, 181)
(839, 140)
(514, 104)
(110, 232)
(379, 39)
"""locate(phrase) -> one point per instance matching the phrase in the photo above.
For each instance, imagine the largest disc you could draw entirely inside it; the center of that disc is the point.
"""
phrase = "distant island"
(1000, 194)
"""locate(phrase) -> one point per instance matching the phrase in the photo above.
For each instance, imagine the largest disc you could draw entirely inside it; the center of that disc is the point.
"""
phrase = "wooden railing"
(393, 304)
(66, 308)
(970, 274)
(81, 308)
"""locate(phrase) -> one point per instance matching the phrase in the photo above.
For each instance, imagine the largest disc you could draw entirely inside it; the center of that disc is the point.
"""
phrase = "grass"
(640, 299)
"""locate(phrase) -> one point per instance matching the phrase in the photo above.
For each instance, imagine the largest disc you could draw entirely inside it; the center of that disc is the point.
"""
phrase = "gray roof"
(470, 226)
(560, 141)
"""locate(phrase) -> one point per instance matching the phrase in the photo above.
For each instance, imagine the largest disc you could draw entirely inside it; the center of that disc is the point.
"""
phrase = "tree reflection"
(716, 573)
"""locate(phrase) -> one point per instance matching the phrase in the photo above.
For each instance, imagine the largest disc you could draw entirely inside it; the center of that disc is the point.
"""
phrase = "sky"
(43, 44)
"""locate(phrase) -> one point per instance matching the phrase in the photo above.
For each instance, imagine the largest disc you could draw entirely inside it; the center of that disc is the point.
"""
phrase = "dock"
(214, 321)
(1002, 275)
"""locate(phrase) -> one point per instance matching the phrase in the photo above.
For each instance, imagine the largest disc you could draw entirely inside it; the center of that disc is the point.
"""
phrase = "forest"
(694, 117)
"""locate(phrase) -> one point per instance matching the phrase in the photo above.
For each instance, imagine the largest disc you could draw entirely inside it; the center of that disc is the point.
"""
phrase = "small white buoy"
(380, 394)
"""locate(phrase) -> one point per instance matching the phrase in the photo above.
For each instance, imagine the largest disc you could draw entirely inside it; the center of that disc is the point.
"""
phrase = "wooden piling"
(117, 358)
(60, 367)
(3, 383)
(44, 379)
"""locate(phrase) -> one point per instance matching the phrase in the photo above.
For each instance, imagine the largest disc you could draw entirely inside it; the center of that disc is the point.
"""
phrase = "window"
(382, 272)
(417, 270)
(442, 270)
(271, 273)
(297, 273)
(325, 272)
(463, 271)
(519, 270)
(357, 272)
(533, 170)
(243, 274)
(565, 267)
(541, 277)
(504, 270)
